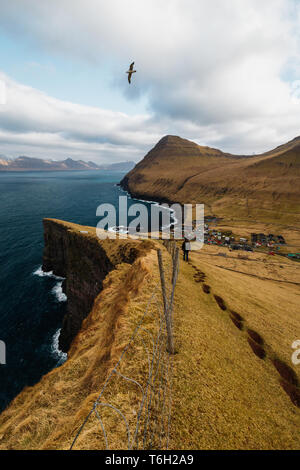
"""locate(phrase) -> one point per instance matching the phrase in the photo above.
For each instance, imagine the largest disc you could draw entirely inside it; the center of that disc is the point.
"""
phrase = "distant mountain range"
(262, 187)
(121, 166)
(24, 163)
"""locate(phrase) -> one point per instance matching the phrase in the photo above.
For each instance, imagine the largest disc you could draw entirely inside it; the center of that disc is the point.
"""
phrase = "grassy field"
(233, 383)
(233, 396)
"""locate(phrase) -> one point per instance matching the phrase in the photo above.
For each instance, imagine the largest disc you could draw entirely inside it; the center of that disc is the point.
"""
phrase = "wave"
(55, 351)
(154, 203)
(58, 292)
(39, 272)
(173, 216)
(57, 289)
(118, 229)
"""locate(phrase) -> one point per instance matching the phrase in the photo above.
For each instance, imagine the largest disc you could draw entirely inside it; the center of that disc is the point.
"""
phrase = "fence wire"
(145, 414)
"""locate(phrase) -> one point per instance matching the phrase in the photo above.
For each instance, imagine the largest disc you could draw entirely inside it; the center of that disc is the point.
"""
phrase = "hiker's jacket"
(186, 246)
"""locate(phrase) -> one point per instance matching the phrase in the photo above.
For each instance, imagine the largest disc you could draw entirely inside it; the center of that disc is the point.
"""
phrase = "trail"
(258, 277)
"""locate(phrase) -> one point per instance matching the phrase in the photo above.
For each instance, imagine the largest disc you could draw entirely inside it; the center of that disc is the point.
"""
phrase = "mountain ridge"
(25, 163)
(264, 187)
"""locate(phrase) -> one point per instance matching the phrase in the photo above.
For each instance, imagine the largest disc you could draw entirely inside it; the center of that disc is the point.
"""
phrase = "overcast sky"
(224, 73)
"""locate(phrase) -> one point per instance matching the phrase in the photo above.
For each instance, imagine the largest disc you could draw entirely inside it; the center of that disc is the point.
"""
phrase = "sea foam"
(57, 289)
(58, 292)
(55, 351)
(39, 272)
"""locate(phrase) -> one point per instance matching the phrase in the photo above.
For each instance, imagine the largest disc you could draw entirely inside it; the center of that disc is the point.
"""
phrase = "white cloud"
(32, 122)
(211, 71)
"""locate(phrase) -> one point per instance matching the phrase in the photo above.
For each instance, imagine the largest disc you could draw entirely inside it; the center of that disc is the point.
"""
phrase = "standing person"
(186, 247)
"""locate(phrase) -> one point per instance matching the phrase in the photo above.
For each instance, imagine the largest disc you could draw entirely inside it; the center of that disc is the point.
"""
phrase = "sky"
(221, 73)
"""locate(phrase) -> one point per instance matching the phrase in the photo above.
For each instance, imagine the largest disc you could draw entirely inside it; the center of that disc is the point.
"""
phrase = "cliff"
(48, 415)
(233, 383)
(84, 261)
(262, 188)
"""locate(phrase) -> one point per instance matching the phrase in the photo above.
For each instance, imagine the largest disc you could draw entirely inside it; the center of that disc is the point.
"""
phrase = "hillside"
(233, 383)
(260, 188)
(48, 414)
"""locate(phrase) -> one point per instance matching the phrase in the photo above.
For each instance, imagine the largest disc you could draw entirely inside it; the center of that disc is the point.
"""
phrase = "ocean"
(32, 303)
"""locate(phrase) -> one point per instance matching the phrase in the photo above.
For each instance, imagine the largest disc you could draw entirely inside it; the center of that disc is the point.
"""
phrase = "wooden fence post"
(166, 306)
(175, 263)
(174, 280)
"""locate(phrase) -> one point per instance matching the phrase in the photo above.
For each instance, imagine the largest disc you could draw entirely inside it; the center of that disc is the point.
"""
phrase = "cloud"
(40, 125)
(211, 71)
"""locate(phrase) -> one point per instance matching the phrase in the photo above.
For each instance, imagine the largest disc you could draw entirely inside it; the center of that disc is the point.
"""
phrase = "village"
(215, 237)
(270, 244)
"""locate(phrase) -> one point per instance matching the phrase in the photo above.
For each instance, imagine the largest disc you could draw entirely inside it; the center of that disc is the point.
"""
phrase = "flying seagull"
(130, 72)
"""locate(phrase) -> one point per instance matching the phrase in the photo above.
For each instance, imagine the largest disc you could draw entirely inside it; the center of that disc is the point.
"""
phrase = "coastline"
(143, 197)
(153, 201)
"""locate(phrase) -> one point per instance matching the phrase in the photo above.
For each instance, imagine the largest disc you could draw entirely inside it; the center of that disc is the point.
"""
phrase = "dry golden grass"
(263, 289)
(226, 371)
(262, 188)
(232, 398)
(48, 415)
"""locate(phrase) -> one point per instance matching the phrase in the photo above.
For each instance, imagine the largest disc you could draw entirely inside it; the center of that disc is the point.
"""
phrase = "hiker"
(186, 246)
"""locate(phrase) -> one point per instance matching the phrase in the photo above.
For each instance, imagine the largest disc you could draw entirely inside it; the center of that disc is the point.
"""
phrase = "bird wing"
(129, 77)
(131, 66)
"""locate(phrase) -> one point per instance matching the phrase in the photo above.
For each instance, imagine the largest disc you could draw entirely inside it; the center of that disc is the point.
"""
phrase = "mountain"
(24, 163)
(121, 166)
(263, 187)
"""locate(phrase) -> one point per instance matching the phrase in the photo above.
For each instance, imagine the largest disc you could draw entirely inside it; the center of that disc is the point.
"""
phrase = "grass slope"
(233, 385)
(263, 188)
(228, 334)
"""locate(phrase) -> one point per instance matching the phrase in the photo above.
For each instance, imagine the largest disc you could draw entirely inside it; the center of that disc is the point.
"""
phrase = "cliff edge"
(75, 253)
(115, 279)
(233, 385)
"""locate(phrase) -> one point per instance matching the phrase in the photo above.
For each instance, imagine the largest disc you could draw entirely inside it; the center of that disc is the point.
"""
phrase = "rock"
(84, 261)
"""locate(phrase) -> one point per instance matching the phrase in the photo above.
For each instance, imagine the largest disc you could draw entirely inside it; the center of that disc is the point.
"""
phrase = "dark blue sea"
(32, 304)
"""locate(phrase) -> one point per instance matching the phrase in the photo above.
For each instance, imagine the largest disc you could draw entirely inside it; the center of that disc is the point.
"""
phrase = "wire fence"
(144, 419)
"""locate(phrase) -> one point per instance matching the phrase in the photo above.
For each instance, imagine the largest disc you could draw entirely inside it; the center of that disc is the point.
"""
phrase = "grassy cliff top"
(233, 383)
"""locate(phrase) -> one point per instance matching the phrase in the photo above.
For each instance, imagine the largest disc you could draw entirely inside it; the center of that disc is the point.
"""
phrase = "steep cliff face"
(216, 371)
(84, 261)
(49, 414)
